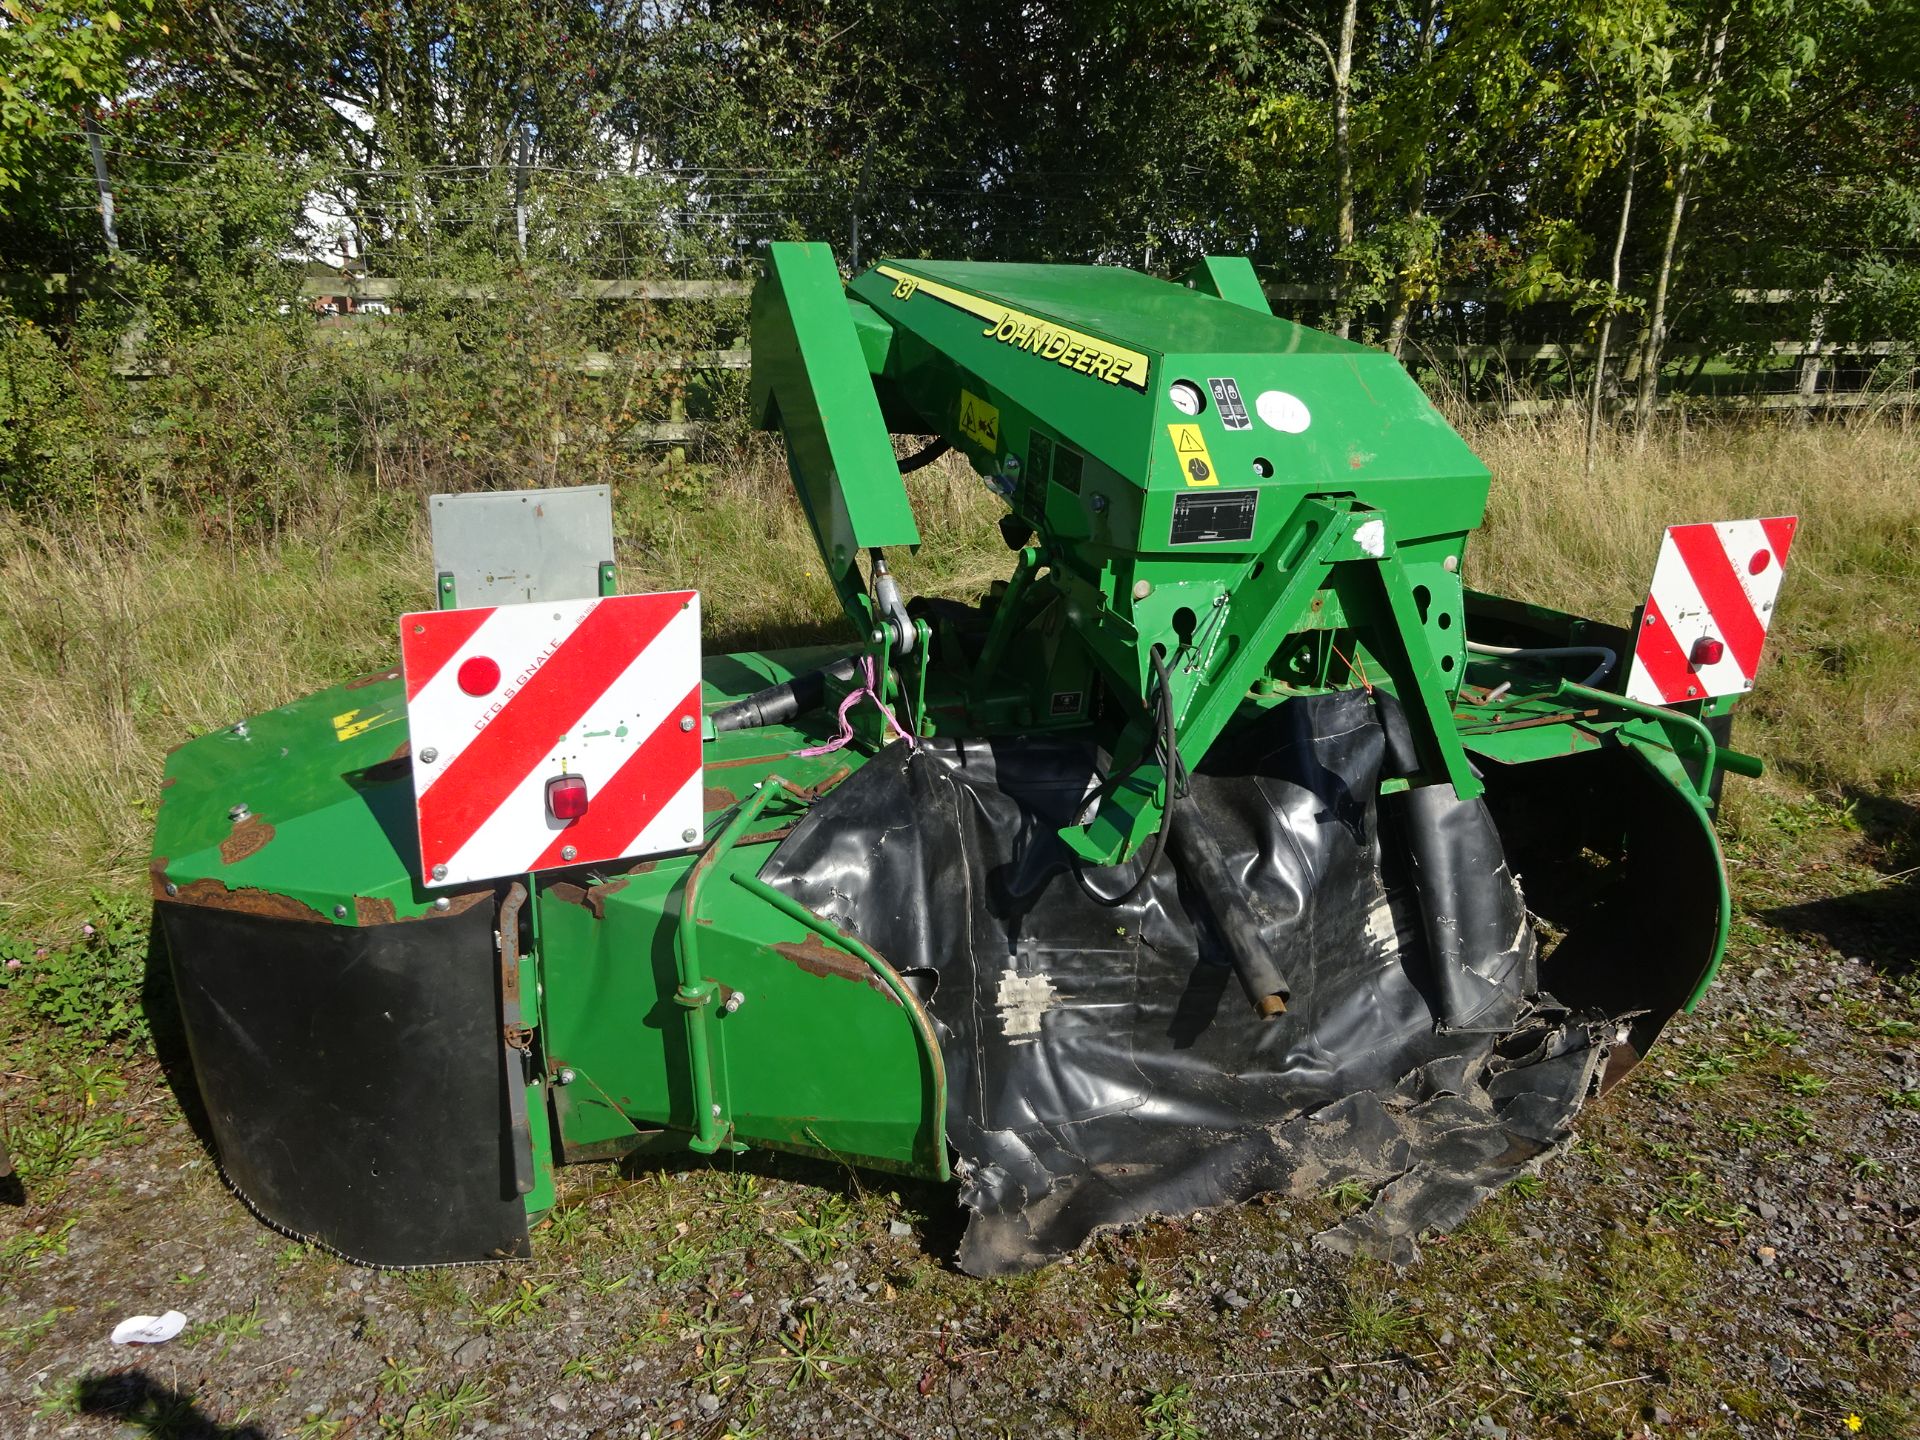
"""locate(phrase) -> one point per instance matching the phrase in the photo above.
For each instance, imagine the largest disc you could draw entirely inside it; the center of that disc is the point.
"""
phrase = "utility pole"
(100, 184)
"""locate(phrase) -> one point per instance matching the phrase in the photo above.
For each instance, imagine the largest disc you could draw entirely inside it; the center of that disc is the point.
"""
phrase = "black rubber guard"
(354, 1079)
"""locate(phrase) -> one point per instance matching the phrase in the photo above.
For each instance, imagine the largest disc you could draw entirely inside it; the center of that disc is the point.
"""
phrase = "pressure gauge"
(1186, 397)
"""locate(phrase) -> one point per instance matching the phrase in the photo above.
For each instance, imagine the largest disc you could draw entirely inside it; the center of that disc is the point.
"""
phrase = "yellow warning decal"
(346, 726)
(1088, 354)
(979, 421)
(1190, 446)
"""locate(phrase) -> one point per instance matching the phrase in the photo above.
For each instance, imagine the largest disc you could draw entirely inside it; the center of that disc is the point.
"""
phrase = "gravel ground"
(1732, 1247)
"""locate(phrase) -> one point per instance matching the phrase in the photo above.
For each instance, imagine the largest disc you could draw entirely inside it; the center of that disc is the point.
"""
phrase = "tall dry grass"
(1837, 704)
(119, 642)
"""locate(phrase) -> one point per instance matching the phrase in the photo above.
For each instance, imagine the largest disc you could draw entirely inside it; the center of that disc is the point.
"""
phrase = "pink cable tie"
(846, 727)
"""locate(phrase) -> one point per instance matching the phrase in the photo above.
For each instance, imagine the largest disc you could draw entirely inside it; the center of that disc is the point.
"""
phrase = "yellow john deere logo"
(1087, 354)
(1196, 465)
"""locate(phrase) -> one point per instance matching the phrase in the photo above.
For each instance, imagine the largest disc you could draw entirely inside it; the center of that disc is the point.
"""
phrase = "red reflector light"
(1706, 651)
(566, 797)
(1761, 559)
(479, 676)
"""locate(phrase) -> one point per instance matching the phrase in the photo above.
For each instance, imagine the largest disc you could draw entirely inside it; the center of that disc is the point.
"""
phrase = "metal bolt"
(567, 852)
(686, 722)
(1450, 564)
(239, 812)
(564, 1075)
(734, 1002)
(240, 730)
(716, 1111)
(689, 835)
(1099, 503)
(439, 872)
(172, 889)
(429, 755)
(443, 903)
(1142, 589)
(339, 912)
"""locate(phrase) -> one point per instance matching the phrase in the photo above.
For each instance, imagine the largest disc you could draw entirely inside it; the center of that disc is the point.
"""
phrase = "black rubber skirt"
(1103, 1061)
(354, 1078)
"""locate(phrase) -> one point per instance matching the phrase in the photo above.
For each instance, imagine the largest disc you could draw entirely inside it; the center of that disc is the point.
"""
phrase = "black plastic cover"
(1103, 1064)
(354, 1078)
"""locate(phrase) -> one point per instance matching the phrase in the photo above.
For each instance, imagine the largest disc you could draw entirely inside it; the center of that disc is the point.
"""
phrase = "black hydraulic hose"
(1167, 752)
(925, 456)
(785, 700)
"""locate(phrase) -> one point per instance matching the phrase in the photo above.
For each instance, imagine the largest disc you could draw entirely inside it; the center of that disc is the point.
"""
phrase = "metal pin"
(567, 852)
(443, 903)
(429, 755)
(339, 912)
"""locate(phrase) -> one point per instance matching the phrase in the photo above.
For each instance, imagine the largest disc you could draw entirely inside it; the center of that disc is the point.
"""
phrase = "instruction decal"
(1190, 447)
(1208, 519)
(979, 421)
(1226, 399)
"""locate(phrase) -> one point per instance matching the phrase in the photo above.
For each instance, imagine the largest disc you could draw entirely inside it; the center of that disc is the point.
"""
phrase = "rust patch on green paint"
(816, 957)
(718, 797)
(249, 837)
(384, 912)
(374, 679)
(214, 895)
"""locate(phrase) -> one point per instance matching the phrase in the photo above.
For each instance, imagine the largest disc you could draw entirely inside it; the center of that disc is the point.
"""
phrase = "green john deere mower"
(1229, 845)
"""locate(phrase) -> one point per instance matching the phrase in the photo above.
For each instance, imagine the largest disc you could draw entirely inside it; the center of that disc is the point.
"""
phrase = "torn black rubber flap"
(1102, 1062)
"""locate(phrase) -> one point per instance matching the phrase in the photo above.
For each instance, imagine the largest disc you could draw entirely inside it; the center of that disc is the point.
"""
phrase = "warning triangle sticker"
(1187, 440)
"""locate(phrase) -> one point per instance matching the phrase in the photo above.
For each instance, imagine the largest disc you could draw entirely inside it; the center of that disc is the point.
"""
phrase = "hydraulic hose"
(1607, 658)
(924, 456)
(785, 700)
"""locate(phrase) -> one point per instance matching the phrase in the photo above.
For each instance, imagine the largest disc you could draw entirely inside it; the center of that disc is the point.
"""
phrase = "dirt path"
(1731, 1248)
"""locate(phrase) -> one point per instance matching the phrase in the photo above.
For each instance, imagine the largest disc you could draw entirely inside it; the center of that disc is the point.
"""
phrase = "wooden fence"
(363, 300)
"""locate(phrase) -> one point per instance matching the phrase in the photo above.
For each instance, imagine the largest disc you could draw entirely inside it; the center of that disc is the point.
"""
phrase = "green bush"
(91, 991)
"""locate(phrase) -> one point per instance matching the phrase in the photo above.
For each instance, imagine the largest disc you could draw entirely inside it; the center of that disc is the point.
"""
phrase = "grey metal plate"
(504, 547)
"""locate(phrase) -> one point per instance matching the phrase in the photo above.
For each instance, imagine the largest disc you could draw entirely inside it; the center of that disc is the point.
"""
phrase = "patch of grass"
(526, 1299)
(1143, 1302)
(227, 1329)
(1168, 1414)
(23, 1335)
(445, 1412)
(808, 1351)
(1374, 1323)
(820, 1233)
(1695, 1199)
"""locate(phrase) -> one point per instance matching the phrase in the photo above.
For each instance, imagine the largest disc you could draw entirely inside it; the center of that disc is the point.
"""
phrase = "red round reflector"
(1706, 651)
(1761, 559)
(479, 676)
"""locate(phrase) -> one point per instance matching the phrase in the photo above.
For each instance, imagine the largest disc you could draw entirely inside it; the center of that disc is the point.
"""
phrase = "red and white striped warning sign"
(1707, 613)
(561, 733)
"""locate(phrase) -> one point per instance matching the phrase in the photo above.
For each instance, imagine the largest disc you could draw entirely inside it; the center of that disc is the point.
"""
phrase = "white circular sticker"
(1283, 411)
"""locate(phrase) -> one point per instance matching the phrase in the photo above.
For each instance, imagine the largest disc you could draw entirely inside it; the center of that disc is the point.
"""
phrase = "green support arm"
(1231, 278)
(811, 381)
